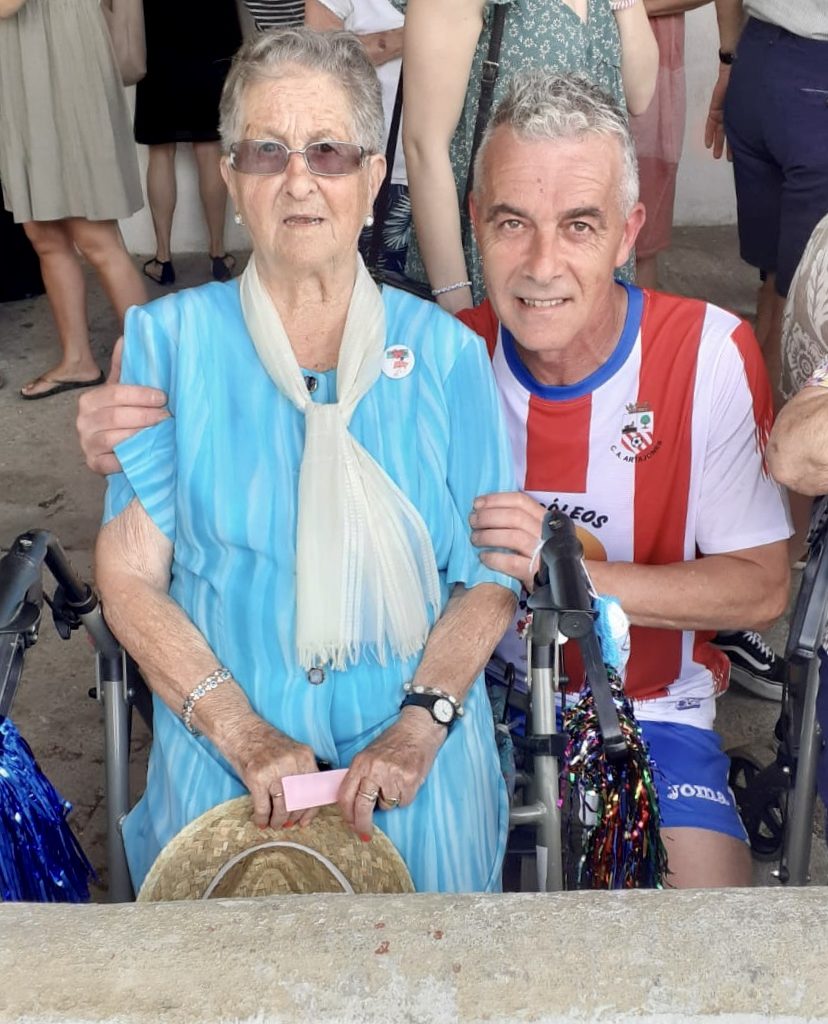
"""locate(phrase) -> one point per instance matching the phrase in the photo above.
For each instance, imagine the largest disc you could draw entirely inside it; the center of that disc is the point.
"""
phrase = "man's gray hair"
(540, 105)
(337, 54)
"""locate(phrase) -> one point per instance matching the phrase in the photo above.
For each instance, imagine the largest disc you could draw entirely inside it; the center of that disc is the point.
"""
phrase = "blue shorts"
(691, 776)
(776, 120)
(690, 769)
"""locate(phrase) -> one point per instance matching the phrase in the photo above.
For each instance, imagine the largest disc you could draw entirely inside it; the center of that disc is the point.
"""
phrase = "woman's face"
(300, 221)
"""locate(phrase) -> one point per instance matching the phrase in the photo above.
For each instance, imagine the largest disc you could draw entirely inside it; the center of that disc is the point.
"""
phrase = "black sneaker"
(753, 664)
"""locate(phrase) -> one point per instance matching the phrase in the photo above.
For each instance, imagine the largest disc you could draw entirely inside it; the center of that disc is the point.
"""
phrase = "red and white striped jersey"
(658, 457)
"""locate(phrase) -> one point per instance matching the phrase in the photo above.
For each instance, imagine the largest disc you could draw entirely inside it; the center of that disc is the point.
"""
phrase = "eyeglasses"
(266, 156)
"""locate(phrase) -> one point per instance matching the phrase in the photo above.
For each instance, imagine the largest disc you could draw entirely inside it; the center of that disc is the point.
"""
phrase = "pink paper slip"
(313, 789)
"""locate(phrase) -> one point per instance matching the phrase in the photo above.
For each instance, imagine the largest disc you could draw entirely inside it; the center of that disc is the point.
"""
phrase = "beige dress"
(66, 146)
(805, 323)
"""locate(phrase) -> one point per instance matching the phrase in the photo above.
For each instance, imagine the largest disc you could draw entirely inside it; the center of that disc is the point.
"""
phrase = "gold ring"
(392, 801)
(369, 796)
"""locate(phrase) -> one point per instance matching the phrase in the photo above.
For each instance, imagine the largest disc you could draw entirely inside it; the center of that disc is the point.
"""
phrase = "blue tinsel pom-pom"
(40, 858)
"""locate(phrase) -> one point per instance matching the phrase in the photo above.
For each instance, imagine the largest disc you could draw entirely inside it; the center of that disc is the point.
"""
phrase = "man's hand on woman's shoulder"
(113, 412)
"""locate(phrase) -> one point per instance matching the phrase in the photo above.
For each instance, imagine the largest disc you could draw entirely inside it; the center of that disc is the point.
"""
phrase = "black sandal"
(222, 270)
(166, 271)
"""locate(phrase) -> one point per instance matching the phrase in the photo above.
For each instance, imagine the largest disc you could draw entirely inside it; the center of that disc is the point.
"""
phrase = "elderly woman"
(290, 548)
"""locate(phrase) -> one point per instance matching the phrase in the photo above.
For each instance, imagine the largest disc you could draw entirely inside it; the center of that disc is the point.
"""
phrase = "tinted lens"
(266, 156)
(333, 157)
(259, 156)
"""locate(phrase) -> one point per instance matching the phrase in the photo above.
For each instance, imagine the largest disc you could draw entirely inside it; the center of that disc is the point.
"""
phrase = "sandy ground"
(44, 483)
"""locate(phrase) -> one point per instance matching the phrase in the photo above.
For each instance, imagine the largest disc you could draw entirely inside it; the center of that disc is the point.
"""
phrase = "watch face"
(443, 711)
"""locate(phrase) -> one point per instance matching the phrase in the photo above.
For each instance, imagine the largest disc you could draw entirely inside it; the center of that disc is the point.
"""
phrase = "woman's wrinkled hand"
(262, 756)
(514, 521)
(389, 772)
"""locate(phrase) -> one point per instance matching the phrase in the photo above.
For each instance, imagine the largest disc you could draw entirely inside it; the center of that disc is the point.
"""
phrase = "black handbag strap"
(381, 206)
(383, 200)
(488, 79)
(491, 69)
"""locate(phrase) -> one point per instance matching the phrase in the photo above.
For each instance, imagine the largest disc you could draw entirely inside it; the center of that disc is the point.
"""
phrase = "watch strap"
(427, 701)
(434, 691)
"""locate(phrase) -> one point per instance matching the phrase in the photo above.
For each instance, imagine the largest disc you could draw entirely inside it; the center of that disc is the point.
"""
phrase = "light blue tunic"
(220, 480)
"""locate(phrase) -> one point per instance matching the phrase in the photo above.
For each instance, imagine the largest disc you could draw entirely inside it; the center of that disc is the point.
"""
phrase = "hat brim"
(224, 854)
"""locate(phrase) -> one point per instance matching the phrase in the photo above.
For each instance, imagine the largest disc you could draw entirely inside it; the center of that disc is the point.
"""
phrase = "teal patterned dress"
(538, 33)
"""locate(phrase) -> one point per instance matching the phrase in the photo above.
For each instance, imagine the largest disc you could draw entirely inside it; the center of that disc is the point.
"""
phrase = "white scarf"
(365, 567)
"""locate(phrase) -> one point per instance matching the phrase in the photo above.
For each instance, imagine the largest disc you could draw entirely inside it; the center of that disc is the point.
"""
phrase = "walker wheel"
(761, 797)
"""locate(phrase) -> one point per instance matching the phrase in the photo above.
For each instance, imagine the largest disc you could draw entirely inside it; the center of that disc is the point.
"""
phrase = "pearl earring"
(369, 221)
(237, 217)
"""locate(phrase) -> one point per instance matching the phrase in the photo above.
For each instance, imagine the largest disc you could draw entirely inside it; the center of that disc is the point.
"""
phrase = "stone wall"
(736, 956)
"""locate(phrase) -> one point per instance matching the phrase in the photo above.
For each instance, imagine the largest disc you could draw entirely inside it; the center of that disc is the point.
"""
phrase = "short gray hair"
(337, 54)
(540, 105)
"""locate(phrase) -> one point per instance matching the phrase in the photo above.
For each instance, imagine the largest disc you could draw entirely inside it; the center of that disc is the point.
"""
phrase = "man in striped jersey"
(644, 417)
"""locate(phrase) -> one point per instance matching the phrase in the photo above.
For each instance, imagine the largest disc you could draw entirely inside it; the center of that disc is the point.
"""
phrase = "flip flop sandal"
(222, 269)
(165, 273)
(59, 386)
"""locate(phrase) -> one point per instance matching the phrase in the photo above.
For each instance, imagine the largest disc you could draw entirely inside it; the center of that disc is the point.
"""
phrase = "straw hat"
(224, 854)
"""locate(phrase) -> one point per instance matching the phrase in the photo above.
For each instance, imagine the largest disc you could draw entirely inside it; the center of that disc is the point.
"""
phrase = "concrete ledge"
(738, 956)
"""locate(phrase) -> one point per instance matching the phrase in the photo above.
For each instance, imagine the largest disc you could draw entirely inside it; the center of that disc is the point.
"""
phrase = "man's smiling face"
(551, 230)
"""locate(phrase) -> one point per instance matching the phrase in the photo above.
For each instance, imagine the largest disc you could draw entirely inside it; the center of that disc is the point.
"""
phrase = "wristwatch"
(442, 710)
(726, 56)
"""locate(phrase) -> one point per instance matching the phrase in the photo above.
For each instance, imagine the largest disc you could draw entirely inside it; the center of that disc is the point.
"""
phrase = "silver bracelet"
(221, 675)
(451, 287)
(621, 5)
(433, 691)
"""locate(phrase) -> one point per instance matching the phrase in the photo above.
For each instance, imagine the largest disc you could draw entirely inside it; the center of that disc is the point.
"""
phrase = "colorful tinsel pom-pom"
(623, 847)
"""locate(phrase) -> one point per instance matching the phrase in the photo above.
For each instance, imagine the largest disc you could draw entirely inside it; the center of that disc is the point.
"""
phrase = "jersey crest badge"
(637, 428)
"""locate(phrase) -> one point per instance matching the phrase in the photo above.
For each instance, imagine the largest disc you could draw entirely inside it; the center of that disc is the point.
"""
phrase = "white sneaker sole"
(764, 688)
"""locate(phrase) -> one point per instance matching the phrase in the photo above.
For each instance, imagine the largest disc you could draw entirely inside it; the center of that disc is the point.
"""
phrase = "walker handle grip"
(560, 564)
(565, 583)
(20, 570)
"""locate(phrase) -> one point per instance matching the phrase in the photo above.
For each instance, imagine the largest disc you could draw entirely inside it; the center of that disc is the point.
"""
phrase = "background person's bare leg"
(213, 193)
(66, 291)
(772, 350)
(764, 307)
(698, 858)
(101, 244)
(162, 195)
(770, 307)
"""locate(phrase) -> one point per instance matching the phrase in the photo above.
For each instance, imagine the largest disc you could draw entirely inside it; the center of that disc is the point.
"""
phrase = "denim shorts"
(776, 120)
(690, 771)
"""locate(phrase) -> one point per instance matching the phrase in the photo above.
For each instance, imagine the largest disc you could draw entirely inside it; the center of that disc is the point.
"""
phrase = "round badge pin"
(397, 362)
